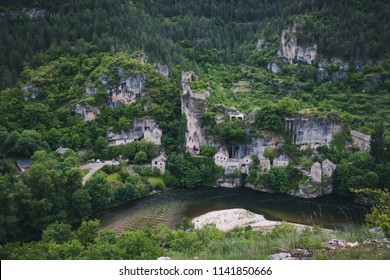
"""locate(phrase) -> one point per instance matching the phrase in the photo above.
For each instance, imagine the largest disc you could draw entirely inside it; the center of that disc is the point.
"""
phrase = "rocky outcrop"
(310, 131)
(31, 13)
(338, 76)
(261, 45)
(192, 106)
(274, 68)
(313, 190)
(29, 91)
(163, 70)
(90, 90)
(128, 90)
(296, 254)
(229, 182)
(86, 111)
(146, 129)
(321, 75)
(290, 50)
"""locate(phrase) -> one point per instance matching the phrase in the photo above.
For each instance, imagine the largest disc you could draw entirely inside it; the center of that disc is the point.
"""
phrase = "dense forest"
(57, 56)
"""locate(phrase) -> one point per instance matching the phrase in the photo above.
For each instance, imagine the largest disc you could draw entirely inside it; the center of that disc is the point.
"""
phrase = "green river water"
(169, 207)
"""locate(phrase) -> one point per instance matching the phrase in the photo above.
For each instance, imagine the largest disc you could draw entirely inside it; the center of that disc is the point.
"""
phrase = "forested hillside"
(88, 75)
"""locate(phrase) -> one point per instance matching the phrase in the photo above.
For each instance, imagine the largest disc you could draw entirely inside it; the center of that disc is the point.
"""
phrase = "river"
(169, 207)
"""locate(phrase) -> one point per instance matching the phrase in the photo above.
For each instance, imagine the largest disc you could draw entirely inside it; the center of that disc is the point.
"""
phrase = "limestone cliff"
(146, 129)
(311, 131)
(258, 144)
(128, 91)
(86, 111)
(192, 106)
(163, 70)
(290, 50)
(274, 67)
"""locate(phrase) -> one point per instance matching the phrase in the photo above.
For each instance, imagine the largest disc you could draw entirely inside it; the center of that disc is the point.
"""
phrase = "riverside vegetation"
(59, 56)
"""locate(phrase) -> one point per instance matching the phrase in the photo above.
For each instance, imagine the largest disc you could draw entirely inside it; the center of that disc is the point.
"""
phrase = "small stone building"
(61, 151)
(320, 171)
(280, 161)
(265, 164)
(361, 140)
(328, 168)
(245, 164)
(160, 162)
(316, 172)
(221, 158)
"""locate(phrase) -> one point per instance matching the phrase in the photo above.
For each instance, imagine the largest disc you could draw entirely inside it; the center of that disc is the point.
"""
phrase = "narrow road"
(93, 167)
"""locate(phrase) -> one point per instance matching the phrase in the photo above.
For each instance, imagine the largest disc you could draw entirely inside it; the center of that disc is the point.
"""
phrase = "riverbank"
(226, 220)
(229, 219)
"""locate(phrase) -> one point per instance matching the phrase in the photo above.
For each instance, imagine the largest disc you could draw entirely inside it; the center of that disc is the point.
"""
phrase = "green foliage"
(140, 157)
(378, 144)
(191, 172)
(230, 133)
(339, 142)
(87, 232)
(100, 191)
(279, 179)
(58, 233)
(268, 153)
(380, 210)
(208, 151)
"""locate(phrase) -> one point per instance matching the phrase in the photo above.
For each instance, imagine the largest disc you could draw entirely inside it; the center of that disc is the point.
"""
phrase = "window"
(155, 162)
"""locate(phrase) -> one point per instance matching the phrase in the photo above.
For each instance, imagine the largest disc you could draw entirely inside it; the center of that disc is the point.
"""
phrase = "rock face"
(142, 129)
(308, 190)
(32, 13)
(128, 90)
(192, 106)
(322, 74)
(229, 182)
(86, 111)
(261, 45)
(90, 91)
(290, 50)
(30, 91)
(257, 145)
(275, 68)
(337, 76)
(163, 70)
(311, 131)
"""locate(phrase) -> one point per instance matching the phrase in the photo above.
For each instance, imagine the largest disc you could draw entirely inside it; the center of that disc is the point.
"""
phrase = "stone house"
(280, 161)
(316, 172)
(320, 171)
(328, 168)
(221, 158)
(160, 162)
(361, 140)
(245, 164)
(265, 164)
(61, 151)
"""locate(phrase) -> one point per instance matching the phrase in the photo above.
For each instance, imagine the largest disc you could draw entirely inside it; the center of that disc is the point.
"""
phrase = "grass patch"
(154, 180)
(113, 177)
